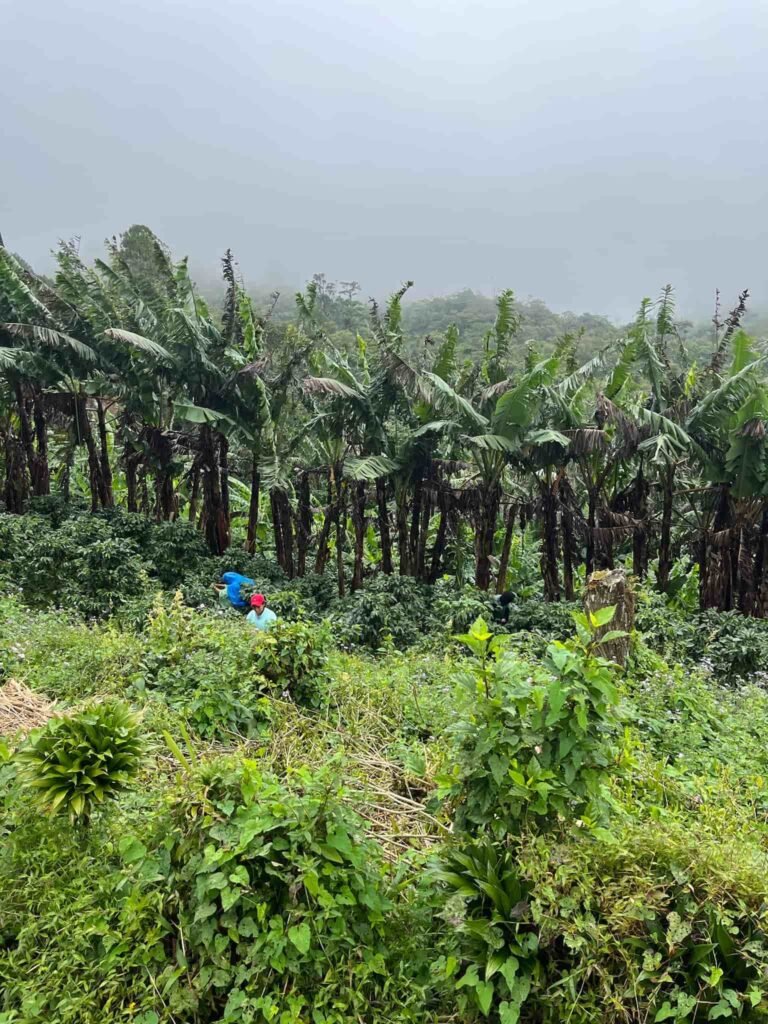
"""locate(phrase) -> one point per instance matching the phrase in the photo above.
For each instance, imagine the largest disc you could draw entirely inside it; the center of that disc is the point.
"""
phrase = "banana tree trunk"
(438, 548)
(84, 434)
(162, 456)
(25, 433)
(341, 530)
(224, 471)
(665, 539)
(41, 475)
(426, 519)
(358, 518)
(759, 604)
(506, 550)
(487, 513)
(383, 521)
(144, 505)
(16, 486)
(323, 540)
(569, 546)
(323, 550)
(282, 526)
(413, 541)
(402, 532)
(216, 521)
(105, 484)
(304, 524)
(194, 491)
(549, 546)
(131, 482)
(253, 506)
(718, 572)
(591, 527)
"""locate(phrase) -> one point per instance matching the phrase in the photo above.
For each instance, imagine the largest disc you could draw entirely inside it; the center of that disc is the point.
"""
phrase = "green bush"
(553, 621)
(74, 764)
(219, 673)
(730, 645)
(80, 565)
(293, 657)
(285, 908)
(205, 668)
(665, 922)
(455, 608)
(288, 605)
(537, 742)
(66, 659)
(497, 939)
(390, 609)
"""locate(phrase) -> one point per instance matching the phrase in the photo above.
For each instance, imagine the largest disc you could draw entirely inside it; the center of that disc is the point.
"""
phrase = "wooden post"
(607, 588)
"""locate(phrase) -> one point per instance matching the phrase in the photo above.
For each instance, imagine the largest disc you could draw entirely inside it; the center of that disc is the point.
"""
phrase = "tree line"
(420, 462)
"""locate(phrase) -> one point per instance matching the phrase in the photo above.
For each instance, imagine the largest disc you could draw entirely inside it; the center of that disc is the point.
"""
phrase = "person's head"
(258, 603)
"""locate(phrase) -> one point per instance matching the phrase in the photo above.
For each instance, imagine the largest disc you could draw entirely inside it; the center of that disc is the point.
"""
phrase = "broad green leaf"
(613, 634)
(665, 1011)
(602, 616)
(495, 962)
(509, 971)
(720, 1010)
(131, 849)
(300, 936)
(509, 1012)
(484, 992)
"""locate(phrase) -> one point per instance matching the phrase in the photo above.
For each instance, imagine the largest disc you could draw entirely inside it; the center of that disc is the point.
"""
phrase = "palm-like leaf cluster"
(73, 765)
(121, 368)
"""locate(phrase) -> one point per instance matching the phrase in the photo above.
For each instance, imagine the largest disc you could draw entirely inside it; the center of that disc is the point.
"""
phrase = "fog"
(583, 153)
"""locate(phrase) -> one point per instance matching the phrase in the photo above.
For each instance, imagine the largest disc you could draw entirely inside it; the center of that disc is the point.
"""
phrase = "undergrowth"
(316, 833)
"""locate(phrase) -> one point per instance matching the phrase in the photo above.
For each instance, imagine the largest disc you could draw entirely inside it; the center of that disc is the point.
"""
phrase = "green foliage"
(391, 609)
(537, 745)
(498, 942)
(662, 923)
(455, 608)
(700, 730)
(80, 933)
(76, 763)
(550, 621)
(538, 904)
(285, 908)
(288, 605)
(203, 668)
(293, 656)
(63, 657)
(81, 564)
(729, 645)
(220, 673)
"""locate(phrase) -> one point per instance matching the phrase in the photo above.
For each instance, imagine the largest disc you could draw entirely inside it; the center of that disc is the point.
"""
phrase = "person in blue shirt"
(230, 591)
(260, 616)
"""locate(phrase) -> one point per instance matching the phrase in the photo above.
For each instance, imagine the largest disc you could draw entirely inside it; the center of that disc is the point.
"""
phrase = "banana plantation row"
(118, 376)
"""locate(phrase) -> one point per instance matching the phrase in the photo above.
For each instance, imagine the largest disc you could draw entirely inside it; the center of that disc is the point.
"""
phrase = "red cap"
(258, 600)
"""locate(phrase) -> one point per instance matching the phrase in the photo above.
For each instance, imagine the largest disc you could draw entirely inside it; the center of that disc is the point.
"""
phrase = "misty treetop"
(331, 437)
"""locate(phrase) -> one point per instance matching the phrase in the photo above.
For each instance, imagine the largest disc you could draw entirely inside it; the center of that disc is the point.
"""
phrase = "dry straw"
(21, 709)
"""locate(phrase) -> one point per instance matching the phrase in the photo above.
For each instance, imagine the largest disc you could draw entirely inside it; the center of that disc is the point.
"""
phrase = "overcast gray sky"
(579, 151)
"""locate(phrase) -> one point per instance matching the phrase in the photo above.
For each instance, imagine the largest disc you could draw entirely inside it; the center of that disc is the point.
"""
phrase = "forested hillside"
(498, 751)
(121, 383)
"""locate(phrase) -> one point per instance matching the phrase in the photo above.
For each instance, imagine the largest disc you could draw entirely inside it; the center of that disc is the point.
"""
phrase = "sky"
(585, 153)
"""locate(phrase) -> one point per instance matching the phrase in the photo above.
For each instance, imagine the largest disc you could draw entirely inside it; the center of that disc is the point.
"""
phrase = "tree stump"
(605, 589)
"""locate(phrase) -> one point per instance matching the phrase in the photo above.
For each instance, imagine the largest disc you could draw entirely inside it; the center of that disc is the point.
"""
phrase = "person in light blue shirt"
(260, 616)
